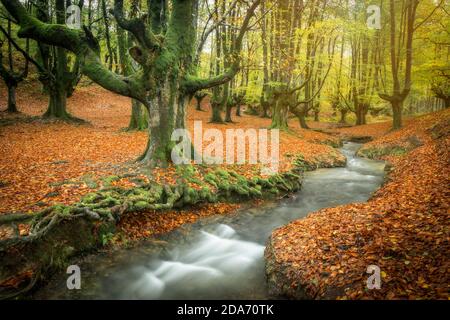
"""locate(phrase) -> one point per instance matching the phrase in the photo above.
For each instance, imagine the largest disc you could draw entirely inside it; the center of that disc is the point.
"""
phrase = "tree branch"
(193, 83)
(80, 42)
(23, 52)
(136, 26)
(207, 32)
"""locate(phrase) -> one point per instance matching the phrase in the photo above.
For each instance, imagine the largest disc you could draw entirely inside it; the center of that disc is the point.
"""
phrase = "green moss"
(141, 205)
(107, 181)
(378, 152)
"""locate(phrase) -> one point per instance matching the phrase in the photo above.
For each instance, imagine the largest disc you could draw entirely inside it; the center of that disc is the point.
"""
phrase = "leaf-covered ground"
(46, 162)
(403, 228)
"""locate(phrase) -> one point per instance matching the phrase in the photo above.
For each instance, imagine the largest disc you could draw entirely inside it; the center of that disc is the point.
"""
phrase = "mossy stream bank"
(61, 232)
(218, 257)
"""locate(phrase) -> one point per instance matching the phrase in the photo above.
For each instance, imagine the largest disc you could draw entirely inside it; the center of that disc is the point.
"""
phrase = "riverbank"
(82, 196)
(403, 229)
(218, 257)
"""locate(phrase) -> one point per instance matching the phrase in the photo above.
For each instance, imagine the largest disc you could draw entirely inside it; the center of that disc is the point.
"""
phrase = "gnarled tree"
(167, 78)
(407, 15)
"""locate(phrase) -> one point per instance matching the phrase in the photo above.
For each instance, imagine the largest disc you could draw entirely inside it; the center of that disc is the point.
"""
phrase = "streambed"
(219, 257)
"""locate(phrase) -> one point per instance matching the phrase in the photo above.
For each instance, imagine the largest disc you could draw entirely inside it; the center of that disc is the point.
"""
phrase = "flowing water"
(220, 257)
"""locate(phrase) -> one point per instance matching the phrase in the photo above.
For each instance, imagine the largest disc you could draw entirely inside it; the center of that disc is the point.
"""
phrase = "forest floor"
(52, 162)
(403, 229)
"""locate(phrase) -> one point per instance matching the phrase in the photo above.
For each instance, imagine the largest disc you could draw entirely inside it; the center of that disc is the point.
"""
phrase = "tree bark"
(216, 116)
(107, 36)
(139, 117)
(397, 107)
(228, 108)
(343, 113)
(302, 120)
(199, 97)
(12, 106)
(162, 122)
(63, 82)
(57, 104)
(280, 114)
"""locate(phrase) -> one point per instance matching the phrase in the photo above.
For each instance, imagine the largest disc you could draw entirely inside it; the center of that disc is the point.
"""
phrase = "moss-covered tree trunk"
(110, 56)
(216, 107)
(139, 117)
(227, 103)
(280, 115)
(166, 113)
(361, 111)
(61, 85)
(57, 104)
(397, 107)
(57, 92)
(199, 97)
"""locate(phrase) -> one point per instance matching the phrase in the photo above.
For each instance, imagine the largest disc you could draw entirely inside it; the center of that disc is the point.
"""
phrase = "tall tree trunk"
(162, 123)
(316, 115)
(107, 35)
(199, 97)
(397, 107)
(57, 103)
(227, 103)
(360, 118)
(12, 106)
(139, 117)
(199, 105)
(343, 113)
(446, 102)
(57, 88)
(216, 103)
(407, 29)
(265, 89)
(280, 114)
(302, 120)
(216, 116)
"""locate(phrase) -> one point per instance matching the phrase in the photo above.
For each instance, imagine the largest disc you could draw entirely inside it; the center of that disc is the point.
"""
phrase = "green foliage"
(106, 238)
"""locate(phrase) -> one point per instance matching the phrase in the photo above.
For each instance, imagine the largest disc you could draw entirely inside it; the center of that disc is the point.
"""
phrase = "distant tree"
(404, 10)
(10, 76)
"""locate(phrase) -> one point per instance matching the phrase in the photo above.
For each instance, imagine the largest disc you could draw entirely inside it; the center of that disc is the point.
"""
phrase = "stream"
(219, 257)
